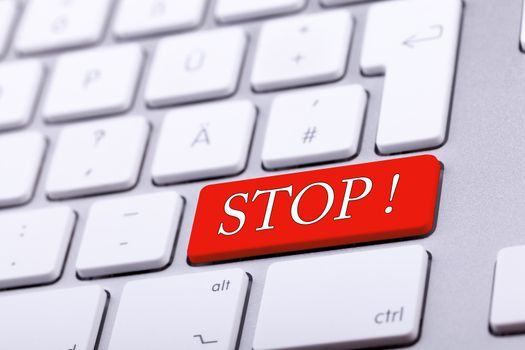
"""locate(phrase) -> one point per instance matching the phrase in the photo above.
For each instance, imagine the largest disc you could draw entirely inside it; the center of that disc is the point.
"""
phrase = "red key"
(316, 209)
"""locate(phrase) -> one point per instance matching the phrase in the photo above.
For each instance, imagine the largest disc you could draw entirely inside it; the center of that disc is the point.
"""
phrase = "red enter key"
(316, 209)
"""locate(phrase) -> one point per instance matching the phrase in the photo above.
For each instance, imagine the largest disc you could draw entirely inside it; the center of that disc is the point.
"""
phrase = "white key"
(314, 126)
(8, 10)
(97, 157)
(204, 142)
(64, 319)
(21, 156)
(191, 312)
(33, 245)
(302, 50)
(93, 83)
(56, 24)
(238, 10)
(414, 42)
(508, 295)
(129, 234)
(196, 67)
(147, 17)
(368, 299)
(20, 83)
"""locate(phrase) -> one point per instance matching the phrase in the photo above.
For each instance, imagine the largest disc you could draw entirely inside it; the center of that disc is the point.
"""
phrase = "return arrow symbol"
(434, 32)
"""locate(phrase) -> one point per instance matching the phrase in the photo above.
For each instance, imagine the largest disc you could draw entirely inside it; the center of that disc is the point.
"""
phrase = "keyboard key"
(238, 10)
(93, 82)
(129, 234)
(204, 142)
(370, 299)
(137, 18)
(33, 245)
(67, 319)
(8, 10)
(195, 67)
(97, 157)
(205, 310)
(507, 315)
(21, 156)
(314, 126)
(20, 83)
(316, 209)
(302, 50)
(414, 43)
(58, 24)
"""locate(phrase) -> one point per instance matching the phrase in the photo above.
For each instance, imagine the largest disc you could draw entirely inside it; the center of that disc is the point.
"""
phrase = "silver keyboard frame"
(482, 193)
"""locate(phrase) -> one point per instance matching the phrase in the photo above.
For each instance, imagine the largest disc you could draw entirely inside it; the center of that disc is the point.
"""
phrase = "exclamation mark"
(395, 180)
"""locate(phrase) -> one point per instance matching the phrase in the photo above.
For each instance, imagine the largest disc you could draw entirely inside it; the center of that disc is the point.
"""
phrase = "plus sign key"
(302, 50)
(313, 126)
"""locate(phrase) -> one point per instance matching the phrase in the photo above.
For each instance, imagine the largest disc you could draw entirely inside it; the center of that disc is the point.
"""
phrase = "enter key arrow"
(433, 32)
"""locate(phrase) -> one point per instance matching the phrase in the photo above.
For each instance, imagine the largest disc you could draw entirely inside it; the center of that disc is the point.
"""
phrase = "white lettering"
(328, 206)
(269, 206)
(347, 199)
(234, 213)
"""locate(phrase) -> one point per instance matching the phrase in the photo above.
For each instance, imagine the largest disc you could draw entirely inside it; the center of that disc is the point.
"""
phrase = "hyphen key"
(316, 209)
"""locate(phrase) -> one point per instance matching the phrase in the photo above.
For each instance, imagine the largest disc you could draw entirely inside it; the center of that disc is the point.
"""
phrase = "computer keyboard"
(263, 174)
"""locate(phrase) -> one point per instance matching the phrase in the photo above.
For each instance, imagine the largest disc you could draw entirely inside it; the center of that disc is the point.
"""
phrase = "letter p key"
(91, 77)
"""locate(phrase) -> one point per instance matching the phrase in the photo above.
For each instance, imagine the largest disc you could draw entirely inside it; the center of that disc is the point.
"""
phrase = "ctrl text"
(389, 316)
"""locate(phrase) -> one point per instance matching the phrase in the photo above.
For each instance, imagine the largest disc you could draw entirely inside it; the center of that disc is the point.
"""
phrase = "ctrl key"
(60, 319)
(345, 301)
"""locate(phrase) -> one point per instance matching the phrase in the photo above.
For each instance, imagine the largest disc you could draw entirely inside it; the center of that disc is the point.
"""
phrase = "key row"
(59, 24)
(371, 299)
(290, 52)
(149, 222)
(124, 235)
(137, 233)
(199, 142)
(185, 68)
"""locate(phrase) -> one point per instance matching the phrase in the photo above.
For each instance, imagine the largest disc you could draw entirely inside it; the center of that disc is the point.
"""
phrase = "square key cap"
(61, 319)
(205, 141)
(188, 312)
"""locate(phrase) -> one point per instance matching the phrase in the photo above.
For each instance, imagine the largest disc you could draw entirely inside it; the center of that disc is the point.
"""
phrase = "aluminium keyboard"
(127, 126)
